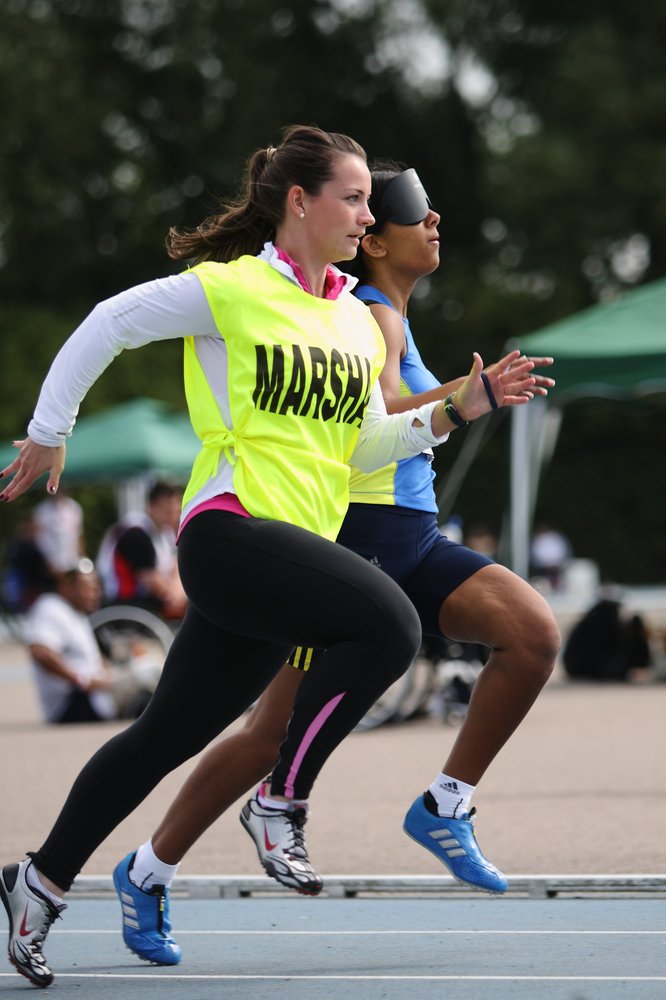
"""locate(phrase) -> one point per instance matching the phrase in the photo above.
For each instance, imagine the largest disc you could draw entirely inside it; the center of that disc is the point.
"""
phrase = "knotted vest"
(300, 371)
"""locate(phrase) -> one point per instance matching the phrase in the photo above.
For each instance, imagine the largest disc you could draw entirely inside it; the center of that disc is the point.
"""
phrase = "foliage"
(537, 127)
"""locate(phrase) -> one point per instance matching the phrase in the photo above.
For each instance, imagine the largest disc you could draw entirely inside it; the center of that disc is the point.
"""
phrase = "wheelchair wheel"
(387, 706)
(125, 632)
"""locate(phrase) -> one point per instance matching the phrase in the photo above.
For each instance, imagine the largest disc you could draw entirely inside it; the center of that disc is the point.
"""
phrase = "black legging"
(257, 589)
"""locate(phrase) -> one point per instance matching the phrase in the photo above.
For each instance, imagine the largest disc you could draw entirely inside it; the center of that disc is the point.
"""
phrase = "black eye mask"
(403, 201)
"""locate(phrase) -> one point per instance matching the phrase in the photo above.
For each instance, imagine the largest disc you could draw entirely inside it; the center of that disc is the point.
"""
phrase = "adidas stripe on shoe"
(146, 924)
(454, 842)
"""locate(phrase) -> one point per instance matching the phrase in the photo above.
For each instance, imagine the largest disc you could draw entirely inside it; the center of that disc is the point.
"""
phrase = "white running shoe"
(31, 914)
(280, 841)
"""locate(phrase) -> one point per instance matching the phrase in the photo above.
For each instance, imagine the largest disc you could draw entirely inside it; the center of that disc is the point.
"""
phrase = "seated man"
(137, 558)
(74, 683)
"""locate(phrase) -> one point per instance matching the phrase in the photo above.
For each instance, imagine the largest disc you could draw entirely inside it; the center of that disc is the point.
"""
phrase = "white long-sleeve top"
(175, 307)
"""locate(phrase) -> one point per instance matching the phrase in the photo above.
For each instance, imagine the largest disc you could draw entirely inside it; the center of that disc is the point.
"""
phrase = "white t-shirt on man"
(53, 622)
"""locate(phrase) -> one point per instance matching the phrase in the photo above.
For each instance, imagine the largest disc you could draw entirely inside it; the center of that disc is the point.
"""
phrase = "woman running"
(457, 592)
(281, 366)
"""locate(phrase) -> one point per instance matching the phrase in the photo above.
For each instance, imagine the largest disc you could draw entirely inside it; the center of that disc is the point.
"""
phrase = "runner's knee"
(541, 640)
(401, 637)
(265, 735)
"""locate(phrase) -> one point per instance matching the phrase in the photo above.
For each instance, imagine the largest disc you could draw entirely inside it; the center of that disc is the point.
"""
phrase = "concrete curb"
(350, 886)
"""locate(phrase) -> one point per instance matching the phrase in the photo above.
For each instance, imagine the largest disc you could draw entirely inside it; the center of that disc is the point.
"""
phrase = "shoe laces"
(50, 913)
(470, 816)
(159, 891)
(296, 818)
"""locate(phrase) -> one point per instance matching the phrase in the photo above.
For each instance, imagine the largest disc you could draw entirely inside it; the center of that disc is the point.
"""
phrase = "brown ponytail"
(305, 157)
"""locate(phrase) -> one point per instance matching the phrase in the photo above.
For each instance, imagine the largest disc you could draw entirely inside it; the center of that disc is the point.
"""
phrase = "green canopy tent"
(128, 445)
(615, 349)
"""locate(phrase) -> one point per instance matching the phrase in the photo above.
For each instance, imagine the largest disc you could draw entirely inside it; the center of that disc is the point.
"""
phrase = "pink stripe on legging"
(310, 734)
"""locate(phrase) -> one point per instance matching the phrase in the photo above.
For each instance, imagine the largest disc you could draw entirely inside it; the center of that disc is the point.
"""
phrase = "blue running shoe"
(453, 841)
(146, 923)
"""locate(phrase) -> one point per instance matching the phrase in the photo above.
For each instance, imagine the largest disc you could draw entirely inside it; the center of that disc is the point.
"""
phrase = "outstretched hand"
(510, 381)
(32, 461)
(516, 385)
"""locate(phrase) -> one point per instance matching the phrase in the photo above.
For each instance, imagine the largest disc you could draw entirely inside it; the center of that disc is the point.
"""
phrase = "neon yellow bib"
(300, 371)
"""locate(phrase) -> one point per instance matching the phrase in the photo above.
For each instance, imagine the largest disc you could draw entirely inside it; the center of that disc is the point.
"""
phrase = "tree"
(536, 127)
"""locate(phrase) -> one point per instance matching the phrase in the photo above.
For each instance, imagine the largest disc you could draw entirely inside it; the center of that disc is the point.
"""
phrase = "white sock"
(266, 802)
(148, 870)
(451, 795)
(35, 882)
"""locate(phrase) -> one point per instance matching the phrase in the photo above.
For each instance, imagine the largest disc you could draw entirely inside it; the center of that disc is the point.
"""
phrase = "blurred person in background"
(453, 528)
(480, 538)
(549, 554)
(137, 560)
(59, 531)
(26, 572)
(73, 682)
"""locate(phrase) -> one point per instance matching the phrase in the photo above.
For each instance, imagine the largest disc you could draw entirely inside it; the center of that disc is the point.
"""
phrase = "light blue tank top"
(409, 481)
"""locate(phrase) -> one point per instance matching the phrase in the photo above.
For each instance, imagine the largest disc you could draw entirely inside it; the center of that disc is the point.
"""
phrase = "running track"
(382, 946)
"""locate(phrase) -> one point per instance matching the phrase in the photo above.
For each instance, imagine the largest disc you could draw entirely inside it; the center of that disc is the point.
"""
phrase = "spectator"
(59, 531)
(481, 539)
(137, 558)
(453, 529)
(27, 573)
(549, 554)
(73, 682)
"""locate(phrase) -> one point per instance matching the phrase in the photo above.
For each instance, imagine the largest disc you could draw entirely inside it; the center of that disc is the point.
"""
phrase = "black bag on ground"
(601, 646)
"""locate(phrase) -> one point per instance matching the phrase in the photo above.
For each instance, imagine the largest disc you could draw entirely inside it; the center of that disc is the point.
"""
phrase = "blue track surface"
(384, 948)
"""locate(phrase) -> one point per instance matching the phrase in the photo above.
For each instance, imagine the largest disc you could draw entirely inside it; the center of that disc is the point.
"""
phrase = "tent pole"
(451, 483)
(520, 491)
(534, 431)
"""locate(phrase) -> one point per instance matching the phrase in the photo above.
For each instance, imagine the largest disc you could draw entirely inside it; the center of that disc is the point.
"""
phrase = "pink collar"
(334, 282)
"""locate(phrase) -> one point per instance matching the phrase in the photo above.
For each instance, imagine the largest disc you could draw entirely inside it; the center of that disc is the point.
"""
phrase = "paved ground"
(580, 788)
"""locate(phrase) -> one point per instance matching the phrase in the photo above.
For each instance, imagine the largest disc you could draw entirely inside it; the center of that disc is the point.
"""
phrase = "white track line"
(378, 933)
(298, 978)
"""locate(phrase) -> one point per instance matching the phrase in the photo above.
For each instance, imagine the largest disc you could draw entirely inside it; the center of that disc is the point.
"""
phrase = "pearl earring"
(302, 215)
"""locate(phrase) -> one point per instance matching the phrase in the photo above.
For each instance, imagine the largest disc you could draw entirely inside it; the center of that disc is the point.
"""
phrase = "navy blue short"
(407, 545)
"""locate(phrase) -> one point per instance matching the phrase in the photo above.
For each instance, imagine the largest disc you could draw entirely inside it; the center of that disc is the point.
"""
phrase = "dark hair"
(381, 172)
(84, 567)
(162, 489)
(304, 157)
